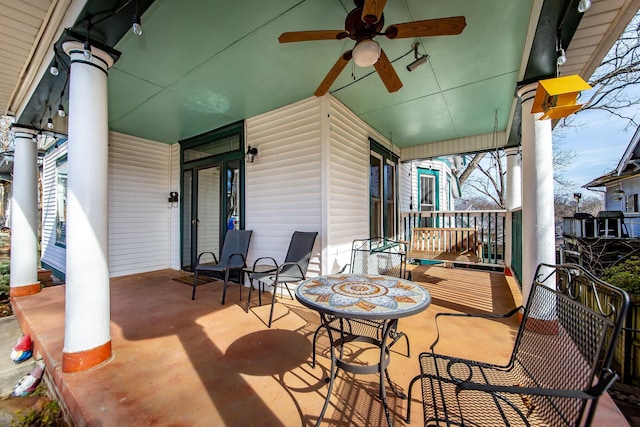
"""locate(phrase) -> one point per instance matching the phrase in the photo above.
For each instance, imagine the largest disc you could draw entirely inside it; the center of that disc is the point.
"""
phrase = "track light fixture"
(584, 5)
(419, 59)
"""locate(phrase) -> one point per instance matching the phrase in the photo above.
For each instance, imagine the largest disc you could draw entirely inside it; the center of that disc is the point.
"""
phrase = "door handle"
(195, 222)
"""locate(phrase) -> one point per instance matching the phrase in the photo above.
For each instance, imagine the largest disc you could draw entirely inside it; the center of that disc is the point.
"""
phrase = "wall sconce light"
(419, 59)
(251, 154)
(173, 199)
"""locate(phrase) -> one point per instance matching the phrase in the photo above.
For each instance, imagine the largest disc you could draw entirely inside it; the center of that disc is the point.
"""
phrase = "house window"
(61, 201)
(632, 203)
(428, 190)
(383, 218)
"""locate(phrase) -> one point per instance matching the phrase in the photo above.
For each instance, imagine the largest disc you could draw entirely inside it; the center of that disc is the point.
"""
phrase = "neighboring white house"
(622, 186)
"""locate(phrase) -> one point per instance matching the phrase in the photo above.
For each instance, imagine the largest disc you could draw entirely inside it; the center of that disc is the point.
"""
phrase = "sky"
(598, 140)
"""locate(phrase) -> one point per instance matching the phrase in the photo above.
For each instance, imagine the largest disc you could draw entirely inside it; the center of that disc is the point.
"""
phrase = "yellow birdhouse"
(556, 98)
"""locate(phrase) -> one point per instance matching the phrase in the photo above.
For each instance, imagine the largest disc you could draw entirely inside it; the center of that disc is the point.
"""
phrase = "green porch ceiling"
(200, 65)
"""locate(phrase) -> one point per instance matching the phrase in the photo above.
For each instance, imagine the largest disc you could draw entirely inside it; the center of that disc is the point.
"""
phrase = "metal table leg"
(380, 367)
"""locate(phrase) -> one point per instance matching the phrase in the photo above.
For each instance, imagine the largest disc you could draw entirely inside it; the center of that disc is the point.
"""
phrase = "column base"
(83, 360)
(22, 291)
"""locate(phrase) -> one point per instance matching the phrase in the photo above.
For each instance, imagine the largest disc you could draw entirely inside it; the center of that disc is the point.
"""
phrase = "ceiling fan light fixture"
(366, 53)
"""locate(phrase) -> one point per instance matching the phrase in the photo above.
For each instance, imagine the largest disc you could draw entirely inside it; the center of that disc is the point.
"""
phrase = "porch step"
(10, 372)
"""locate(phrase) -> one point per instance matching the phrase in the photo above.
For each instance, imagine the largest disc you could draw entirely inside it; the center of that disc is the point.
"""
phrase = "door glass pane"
(233, 208)
(375, 197)
(208, 211)
(427, 193)
(219, 146)
(390, 200)
(187, 178)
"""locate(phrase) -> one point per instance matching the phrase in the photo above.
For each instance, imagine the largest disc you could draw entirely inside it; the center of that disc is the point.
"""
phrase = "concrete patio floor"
(178, 362)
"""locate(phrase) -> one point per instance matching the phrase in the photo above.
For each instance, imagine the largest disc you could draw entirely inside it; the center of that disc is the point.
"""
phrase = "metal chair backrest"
(378, 256)
(235, 242)
(567, 339)
(299, 252)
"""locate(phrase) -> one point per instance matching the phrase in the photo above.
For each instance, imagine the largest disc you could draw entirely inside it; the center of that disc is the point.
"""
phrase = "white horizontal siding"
(140, 220)
(52, 255)
(470, 144)
(283, 185)
(348, 199)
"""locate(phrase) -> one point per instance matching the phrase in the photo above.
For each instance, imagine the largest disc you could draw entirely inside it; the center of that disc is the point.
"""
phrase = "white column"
(538, 228)
(514, 197)
(87, 336)
(24, 215)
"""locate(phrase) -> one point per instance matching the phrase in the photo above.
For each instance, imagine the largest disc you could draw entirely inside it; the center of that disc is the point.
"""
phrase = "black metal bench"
(559, 367)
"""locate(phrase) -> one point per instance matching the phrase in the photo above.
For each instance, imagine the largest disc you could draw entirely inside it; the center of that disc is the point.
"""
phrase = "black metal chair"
(292, 270)
(376, 256)
(559, 366)
(232, 259)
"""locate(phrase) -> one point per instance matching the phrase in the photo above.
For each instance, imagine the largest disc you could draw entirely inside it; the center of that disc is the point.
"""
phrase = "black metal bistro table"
(344, 298)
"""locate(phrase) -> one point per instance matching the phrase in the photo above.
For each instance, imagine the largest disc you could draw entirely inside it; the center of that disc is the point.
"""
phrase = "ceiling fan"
(363, 24)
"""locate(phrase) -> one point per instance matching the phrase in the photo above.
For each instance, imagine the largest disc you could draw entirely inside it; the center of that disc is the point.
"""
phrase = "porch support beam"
(514, 196)
(538, 228)
(24, 215)
(87, 335)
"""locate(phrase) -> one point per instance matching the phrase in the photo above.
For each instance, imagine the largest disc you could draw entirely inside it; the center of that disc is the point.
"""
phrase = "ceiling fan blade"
(372, 10)
(387, 73)
(333, 74)
(429, 27)
(303, 36)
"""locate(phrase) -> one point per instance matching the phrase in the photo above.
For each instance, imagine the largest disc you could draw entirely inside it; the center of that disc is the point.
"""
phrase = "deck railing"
(627, 226)
(490, 225)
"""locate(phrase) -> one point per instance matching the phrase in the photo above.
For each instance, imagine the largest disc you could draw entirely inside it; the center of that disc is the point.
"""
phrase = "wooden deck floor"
(178, 362)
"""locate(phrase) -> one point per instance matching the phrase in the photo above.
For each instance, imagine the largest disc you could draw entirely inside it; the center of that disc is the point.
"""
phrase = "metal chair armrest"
(257, 262)
(282, 267)
(533, 391)
(232, 256)
(202, 253)
(343, 269)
